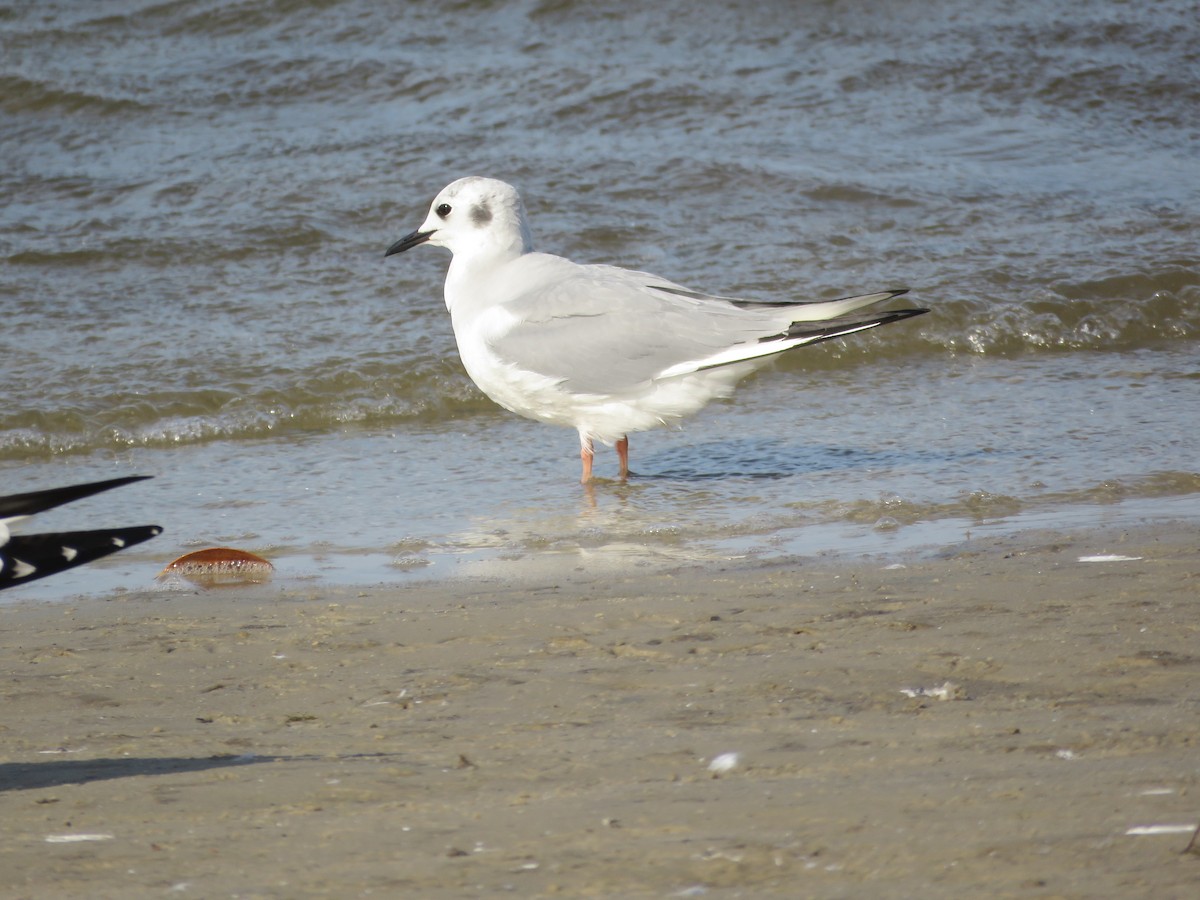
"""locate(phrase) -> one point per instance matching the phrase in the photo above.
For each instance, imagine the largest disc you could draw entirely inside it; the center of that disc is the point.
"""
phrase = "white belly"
(606, 418)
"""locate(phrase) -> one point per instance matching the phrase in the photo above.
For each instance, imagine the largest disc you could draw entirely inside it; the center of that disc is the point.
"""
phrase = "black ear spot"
(481, 215)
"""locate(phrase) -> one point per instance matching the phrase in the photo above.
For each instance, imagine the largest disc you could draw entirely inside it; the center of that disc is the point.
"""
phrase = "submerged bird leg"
(586, 454)
(623, 455)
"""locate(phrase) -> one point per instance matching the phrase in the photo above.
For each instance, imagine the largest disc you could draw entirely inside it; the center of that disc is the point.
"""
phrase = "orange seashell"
(220, 565)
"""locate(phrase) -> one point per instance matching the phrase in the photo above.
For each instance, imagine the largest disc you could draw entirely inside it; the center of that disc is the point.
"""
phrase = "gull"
(31, 556)
(605, 350)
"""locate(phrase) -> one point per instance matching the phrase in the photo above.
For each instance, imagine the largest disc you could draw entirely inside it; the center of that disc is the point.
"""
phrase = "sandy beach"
(991, 722)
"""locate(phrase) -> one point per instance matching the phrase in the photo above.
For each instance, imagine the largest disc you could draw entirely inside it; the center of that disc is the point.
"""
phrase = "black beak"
(408, 242)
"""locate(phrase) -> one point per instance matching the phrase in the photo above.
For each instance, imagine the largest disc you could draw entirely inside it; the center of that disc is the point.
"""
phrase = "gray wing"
(600, 329)
(606, 330)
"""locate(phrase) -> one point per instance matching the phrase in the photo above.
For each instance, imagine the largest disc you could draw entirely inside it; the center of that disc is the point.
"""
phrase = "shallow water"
(198, 196)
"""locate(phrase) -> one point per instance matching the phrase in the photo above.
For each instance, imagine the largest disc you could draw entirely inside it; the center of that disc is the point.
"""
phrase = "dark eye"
(443, 210)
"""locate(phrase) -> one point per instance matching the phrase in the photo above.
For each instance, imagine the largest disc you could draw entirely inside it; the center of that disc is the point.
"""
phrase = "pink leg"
(623, 455)
(586, 455)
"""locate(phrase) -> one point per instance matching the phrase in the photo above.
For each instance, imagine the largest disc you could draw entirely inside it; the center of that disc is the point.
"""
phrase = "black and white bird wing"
(29, 557)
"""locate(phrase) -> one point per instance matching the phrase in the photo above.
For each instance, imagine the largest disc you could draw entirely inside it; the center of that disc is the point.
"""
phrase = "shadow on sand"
(53, 773)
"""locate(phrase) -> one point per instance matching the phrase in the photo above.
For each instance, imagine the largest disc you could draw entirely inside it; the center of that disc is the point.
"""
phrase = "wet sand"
(551, 735)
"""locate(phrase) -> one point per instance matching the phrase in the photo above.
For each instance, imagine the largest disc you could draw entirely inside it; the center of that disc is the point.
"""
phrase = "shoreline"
(988, 723)
(407, 563)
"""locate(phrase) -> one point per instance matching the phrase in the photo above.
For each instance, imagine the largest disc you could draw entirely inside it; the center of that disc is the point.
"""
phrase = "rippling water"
(197, 196)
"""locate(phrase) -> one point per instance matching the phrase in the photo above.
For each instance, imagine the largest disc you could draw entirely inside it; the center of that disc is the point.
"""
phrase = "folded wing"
(604, 330)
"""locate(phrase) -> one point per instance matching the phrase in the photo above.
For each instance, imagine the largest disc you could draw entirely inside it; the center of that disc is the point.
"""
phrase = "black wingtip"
(834, 329)
(40, 501)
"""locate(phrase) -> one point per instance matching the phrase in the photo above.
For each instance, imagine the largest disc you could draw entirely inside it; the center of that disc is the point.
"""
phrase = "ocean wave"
(23, 96)
(337, 375)
(194, 417)
(1121, 312)
(1117, 313)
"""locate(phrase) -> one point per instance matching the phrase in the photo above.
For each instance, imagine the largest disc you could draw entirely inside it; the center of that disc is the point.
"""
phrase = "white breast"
(525, 393)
